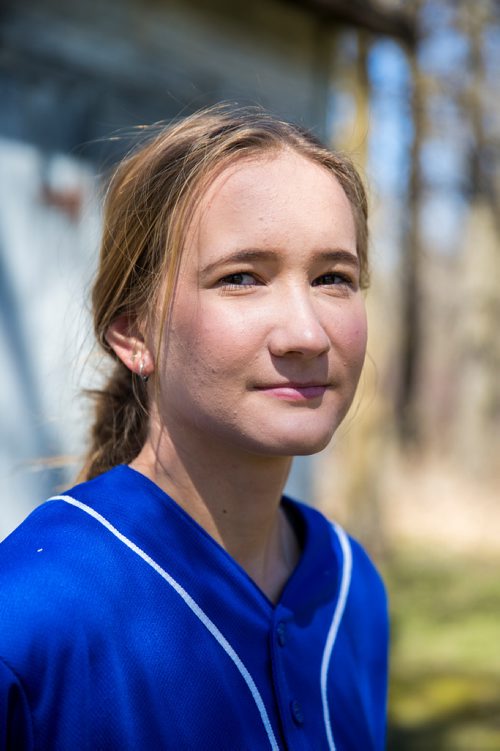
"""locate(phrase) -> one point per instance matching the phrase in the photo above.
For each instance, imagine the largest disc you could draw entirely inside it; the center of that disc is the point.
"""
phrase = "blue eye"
(240, 279)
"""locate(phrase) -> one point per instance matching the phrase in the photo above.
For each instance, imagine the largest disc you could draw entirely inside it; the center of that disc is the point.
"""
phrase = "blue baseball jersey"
(124, 625)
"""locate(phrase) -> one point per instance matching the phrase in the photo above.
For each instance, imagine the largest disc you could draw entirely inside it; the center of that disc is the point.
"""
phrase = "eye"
(333, 279)
(240, 279)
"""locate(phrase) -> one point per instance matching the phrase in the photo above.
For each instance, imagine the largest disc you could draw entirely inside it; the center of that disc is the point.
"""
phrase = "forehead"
(277, 199)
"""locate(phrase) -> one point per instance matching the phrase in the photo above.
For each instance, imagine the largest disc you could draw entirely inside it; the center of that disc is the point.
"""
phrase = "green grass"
(445, 663)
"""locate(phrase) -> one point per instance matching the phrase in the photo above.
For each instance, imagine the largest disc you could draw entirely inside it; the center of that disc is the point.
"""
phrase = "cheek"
(208, 344)
(351, 336)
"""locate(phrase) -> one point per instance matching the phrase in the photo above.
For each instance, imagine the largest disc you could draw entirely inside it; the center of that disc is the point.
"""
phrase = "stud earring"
(143, 377)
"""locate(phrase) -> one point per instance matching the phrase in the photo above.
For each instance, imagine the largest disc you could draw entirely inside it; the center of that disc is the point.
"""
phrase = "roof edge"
(366, 15)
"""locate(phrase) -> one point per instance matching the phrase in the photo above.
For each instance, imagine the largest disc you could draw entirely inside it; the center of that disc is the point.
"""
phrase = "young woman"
(175, 599)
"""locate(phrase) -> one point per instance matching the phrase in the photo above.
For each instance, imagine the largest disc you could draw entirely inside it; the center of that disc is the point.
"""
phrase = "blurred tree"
(477, 416)
(450, 268)
(411, 330)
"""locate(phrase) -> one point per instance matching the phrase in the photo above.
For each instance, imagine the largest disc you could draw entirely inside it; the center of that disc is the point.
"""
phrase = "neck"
(235, 497)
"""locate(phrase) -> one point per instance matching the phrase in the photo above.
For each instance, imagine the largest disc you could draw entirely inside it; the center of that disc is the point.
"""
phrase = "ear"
(127, 342)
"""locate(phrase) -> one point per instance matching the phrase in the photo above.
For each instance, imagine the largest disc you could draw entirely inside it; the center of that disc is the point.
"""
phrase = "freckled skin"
(277, 321)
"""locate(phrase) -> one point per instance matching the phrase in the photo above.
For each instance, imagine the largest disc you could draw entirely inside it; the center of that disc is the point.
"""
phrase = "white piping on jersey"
(334, 627)
(209, 624)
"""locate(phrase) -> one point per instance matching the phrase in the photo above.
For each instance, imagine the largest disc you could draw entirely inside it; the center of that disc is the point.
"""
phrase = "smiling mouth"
(294, 391)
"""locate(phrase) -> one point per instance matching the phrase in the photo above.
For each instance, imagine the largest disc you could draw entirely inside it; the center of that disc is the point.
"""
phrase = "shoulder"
(365, 617)
(366, 613)
(366, 582)
(54, 536)
(35, 560)
(357, 575)
(50, 578)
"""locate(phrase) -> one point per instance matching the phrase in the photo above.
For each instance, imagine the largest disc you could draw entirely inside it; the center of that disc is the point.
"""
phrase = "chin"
(300, 444)
(307, 448)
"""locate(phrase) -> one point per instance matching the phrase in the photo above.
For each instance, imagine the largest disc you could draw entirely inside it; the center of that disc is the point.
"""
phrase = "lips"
(295, 391)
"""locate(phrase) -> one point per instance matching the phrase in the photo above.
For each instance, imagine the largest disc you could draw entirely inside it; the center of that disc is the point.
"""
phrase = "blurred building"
(75, 79)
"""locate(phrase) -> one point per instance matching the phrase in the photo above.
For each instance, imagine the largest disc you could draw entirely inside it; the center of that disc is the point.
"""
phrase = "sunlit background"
(411, 90)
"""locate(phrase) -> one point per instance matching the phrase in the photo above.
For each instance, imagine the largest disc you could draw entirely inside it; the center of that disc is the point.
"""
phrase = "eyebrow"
(336, 255)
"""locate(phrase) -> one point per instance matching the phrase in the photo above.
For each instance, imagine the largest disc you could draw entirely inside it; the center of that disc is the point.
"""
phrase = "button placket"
(281, 633)
(290, 708)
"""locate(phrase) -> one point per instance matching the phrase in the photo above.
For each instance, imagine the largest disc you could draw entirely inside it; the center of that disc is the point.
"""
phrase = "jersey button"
(281, 633)
(296, 711)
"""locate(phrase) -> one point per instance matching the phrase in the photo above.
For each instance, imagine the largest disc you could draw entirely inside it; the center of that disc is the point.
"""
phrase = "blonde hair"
(148, 206)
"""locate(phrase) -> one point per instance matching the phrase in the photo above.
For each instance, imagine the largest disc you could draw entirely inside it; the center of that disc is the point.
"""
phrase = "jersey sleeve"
(15, 719)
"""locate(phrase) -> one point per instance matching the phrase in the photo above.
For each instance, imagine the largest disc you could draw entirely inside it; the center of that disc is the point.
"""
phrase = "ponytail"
(120, 422)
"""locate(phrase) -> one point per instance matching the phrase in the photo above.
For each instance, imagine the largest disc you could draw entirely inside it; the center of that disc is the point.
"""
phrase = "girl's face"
(267, 334)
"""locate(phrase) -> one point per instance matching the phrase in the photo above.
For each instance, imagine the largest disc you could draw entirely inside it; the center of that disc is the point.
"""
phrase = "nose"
(297, 329)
